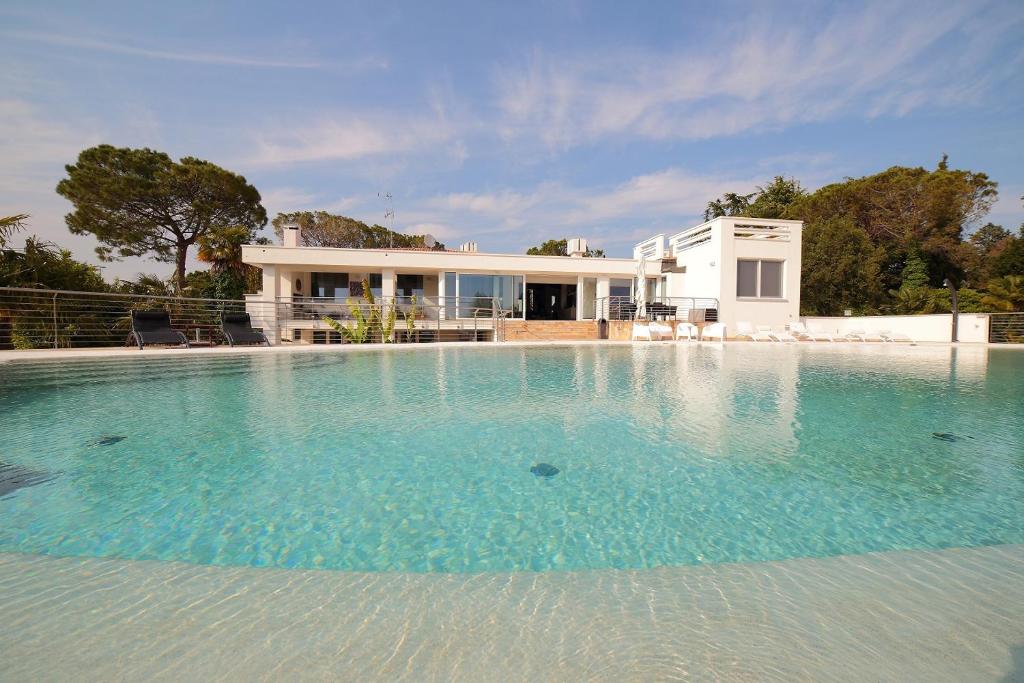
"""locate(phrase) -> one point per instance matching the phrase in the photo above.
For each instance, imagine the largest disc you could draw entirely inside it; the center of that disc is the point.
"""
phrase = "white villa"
(727, 269)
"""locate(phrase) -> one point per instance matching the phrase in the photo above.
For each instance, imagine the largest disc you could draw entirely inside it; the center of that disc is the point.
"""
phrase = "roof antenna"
(389, 217)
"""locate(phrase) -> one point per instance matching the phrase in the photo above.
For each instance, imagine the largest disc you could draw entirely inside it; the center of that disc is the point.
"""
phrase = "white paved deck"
(953, 615)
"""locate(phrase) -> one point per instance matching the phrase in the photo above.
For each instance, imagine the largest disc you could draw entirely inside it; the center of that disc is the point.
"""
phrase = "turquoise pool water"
(421, 460)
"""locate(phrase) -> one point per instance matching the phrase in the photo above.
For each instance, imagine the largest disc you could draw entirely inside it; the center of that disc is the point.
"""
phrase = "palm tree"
(10, 225)
(1005, 293)
(222, 249)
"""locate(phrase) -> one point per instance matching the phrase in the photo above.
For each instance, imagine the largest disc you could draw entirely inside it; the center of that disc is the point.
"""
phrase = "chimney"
(468, 246)
(577, 247)
(291, 235)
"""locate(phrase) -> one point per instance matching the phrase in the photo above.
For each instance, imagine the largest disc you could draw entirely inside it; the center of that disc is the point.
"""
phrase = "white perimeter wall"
(973, 327)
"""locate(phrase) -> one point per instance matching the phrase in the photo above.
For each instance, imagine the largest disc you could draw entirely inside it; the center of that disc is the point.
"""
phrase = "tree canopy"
(560, 248)
(770, 201)
(886, 242)
(140, 202)
(323, 229)
(905, 211)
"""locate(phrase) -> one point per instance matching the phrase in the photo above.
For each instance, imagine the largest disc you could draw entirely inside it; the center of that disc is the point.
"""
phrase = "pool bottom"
(953, 614)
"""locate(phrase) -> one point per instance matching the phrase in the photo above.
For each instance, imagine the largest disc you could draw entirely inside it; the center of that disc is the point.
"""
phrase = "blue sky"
(510, 123)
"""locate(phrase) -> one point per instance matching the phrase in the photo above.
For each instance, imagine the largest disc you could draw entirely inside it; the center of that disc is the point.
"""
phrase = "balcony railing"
(47, 318)
(1006, 328)
(657, 308)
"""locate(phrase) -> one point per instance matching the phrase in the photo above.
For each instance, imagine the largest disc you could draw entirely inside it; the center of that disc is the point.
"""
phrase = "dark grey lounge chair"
(154, 327)
(237, 329)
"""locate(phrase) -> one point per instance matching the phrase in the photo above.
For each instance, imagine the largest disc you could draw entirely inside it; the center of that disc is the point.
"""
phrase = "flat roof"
(337, 257)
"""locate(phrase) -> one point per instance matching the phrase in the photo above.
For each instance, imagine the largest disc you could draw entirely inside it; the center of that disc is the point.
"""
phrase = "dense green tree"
(988, 236)
(1007, 256)
(140, 202)
(729, 204)
(769, 201)
(915, 272)
(560, 248)
(42, 264)
(146, 284)
(323, 229)
(774, 199)
(1005, 294)
(907, 209)
(839, 269)
(913, 300)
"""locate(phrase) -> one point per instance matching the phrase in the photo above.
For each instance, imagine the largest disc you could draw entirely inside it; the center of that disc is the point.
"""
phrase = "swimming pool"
(425, 460)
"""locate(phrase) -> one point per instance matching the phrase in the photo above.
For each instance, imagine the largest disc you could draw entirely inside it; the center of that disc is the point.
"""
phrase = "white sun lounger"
(890, 336)
(713, 331)
(861, 335)
(802, 332)
(660, 330)
(782, 336)
(641, 331)
(688, 329)
(745, 329)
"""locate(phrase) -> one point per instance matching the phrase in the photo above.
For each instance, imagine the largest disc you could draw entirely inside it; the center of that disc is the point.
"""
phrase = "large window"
(329, 285)
(476, 291)
(621, 288)
(408, 286)
(355, 287)
(757, 279)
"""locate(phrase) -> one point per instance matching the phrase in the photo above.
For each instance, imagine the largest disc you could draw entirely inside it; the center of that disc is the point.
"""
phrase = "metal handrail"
(111, 295)
(625, 307)
(1006, 328)
(50, 318)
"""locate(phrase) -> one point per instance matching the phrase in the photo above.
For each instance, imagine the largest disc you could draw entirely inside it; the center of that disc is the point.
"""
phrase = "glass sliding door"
(478, 293)
(329, 286)
(408, 286)
(451, 294)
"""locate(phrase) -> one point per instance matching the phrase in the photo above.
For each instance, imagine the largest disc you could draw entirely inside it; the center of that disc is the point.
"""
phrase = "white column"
(271, 290)
(579, 297)
(388, 282)
(604, 288)
(441, 294)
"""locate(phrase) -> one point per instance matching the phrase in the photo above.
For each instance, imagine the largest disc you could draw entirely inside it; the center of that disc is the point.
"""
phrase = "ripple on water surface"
(431, 460)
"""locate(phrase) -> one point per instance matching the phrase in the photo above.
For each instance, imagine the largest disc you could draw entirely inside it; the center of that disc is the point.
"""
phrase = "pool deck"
(950, 615)
(131, 352)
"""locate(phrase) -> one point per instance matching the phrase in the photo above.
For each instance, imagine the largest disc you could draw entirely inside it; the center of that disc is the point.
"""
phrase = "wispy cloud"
(196, 56)
(612, 216)
(34, 147)
(882, 59)
(351, 136)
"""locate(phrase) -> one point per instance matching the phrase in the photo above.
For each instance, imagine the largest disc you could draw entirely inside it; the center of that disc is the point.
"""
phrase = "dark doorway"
(550, 302)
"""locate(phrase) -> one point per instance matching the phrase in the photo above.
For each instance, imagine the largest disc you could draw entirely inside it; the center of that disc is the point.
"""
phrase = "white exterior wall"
(775, 312)
(972, 327)
(711, 268)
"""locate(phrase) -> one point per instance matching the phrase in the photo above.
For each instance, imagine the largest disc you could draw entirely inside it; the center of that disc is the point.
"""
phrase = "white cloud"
(33, 144)
(882, 59)
(347, 137)
(612, 216)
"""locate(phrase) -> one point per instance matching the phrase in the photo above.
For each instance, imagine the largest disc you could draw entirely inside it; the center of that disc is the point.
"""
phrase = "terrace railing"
(394, 319)
(1006, 328)
(658, 308)
(48, 318)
